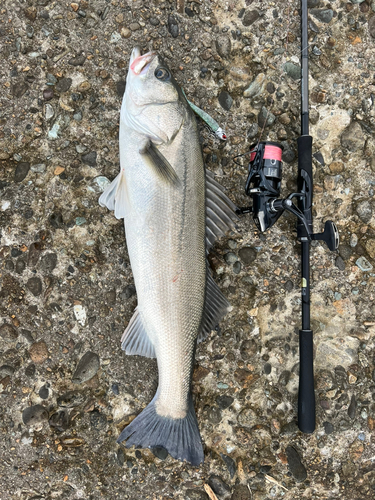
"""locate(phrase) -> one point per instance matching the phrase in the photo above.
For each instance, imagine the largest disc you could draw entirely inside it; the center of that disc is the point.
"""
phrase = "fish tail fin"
(179, 436)
(114, 196)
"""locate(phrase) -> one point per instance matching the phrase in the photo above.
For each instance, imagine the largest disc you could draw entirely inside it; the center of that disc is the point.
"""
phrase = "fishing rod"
(263, 186)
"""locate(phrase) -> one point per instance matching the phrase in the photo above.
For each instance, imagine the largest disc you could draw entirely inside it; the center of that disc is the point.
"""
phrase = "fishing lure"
(212, 124)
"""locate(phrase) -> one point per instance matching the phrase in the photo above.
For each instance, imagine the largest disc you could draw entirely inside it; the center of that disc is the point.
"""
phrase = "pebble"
(125, 32)
(8, 332)
(370, 247)
(219, 487)
(60, 420)
(363, 264)
(265, 117)
(339, 263)
(80, 220)
(323, 15)
(353, 137)
(48, 94)
(256, 87)
(241, 492)
(225, 100)
(98, 420)
(63, 85)
(247, 255)
(173, 26)
(120, 87)
(70, 399)
(19, 89)
(160, 452)
(250, 17)
(328, 427)
(230, 463)
(371, 24)
(34, 285)
(90, 158)
(222, 385)
(292, 70)
(39, 168)
(230, 258)
(38, 352)
(223, 46)
(224, 401)
(87, 368)
(247, 417)
(364, 211)
(77, 61)
(196, 495)
(78, 116)
(295, 465)
(34, 414)
(44, 391)
(237, 267)
(48, 262)
(352, 407)
(21, 171)
(253, 131)
(49, 112)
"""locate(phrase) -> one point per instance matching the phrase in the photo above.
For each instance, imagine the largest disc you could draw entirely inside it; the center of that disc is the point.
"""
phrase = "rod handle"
(306, 394)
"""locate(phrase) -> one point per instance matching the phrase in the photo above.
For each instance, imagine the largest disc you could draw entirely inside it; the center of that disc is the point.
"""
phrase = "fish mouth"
(140, 64)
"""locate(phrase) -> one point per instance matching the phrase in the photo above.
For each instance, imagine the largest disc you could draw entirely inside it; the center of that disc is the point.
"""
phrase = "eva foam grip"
(306, 394)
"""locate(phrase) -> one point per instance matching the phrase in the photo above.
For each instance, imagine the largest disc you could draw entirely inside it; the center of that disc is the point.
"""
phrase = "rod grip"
(306, 395)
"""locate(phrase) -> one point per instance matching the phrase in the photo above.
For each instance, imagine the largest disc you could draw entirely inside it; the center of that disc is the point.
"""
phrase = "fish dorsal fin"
(114, 197)
(135, 339)
(157, 161)
(215, 307)
(220, 211)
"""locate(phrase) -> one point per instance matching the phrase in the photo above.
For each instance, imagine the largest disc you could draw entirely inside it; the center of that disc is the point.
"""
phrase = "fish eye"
(162, 74)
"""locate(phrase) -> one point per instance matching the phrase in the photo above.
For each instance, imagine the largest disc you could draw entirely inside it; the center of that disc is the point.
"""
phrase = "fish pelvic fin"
(180, 436)
(114, 197)
(135, 339)
(159, 164)
(216, 307)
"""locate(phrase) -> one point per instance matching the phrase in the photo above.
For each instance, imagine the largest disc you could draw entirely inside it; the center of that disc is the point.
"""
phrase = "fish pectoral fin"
(220, 211)
(135, 339)
(157, 162)
(215, 307)
(114, 197)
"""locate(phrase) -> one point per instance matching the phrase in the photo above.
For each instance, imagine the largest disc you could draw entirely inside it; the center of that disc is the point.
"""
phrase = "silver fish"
(173, 211)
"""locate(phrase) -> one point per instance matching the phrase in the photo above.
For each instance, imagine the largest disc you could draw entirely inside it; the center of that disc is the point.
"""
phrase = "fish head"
(154, 104)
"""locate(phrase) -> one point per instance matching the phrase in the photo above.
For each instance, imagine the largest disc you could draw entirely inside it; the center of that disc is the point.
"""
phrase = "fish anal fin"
(135, 339)
(157, 162)
(220, 211)
(215, 307)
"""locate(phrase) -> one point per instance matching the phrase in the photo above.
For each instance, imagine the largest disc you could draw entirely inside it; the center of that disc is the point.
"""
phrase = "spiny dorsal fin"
(220, 211)
(155, 160)
(135, 339)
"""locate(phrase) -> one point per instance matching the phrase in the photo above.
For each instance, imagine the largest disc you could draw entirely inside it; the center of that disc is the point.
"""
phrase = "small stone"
(84, 86)
(219, 487)
(98, 420)
(267, 368)
(363, 264)
(70, 399)
(224, 401)
(19, 88)
(173, 26)
(63, 85)
(125, 32)
(223, 46)
(38, 352)
(77, 61)
(44, 392)
(87, 368)
(196, 495)
(247, 417)
(30, 370)
(256, 87)
(230, 463)
(225, 100)
(134, 26)
(58, 170)
(353, 137)
(214, 415)
(293, 70)
(237, 267)
(90, 158)
(60, 420)
(250, 17)
(21, 172)
(295, 465)
(241, 492)
(247, 255)
(230, 258)
(352, 407)
(8, 332)
(34, 254)
(160, 452)
(39, 168)
(266, 118)
(339, 262)
(253, 131)
(34, 414)
(35, 286)
(370, 246)
(336, 167)
(371, 25)
(48, 262)
(120, 87)
(80, 221)
(323, 15)
(364, 211)
(328, 427)
(154, 21)
(128, 292)
(48, 94)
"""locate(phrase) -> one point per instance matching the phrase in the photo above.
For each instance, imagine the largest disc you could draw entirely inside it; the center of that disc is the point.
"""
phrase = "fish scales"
(161, 194)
